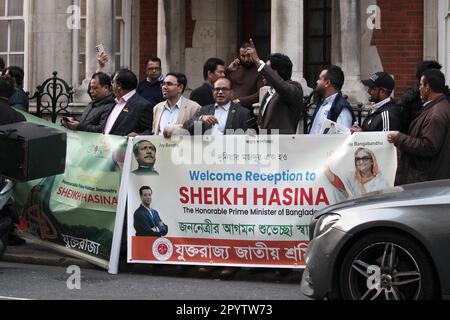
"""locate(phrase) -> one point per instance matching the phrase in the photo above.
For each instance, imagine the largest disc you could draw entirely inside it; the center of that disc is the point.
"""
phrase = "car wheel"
(386, 266)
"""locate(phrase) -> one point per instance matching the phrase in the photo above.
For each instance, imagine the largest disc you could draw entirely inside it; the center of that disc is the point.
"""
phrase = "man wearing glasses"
(170, 115)
(223, 117)
(150, 88)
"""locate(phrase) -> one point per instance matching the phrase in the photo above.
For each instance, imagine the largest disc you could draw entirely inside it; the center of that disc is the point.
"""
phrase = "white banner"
(241, 200)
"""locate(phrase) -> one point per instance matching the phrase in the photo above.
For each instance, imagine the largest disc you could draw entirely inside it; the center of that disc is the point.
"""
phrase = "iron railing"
(53, 97)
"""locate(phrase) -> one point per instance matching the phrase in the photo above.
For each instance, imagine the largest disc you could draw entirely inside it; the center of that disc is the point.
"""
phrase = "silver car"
(392, 245)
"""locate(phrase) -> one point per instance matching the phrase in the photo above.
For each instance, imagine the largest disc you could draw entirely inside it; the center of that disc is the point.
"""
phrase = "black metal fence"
(53, 98)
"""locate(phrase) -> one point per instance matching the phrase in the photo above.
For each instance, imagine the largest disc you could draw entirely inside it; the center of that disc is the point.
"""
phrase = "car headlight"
(325, 223)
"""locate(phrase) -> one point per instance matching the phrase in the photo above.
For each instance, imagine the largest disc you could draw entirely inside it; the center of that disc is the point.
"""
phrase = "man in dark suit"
(223, 117)
(213, 69)
(132, 114)
(282, 107)
(147, 222)
(7, 114)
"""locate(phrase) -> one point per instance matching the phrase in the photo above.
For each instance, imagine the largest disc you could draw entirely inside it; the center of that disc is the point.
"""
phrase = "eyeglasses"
(169, 84)
(222, 89)
(153, 69)
(364, 159)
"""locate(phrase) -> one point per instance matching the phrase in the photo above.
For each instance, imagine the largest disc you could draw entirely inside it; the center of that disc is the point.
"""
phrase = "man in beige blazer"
(170, 115)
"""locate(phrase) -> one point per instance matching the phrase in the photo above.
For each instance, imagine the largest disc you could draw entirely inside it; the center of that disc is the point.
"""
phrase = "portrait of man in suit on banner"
(147, 221)
(145, 154)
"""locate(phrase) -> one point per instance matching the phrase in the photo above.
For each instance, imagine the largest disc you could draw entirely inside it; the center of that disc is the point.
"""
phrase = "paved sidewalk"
(33, 253)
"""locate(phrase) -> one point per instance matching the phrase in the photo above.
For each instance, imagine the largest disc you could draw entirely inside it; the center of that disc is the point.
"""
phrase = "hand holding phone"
(68, 119)
(100, 48)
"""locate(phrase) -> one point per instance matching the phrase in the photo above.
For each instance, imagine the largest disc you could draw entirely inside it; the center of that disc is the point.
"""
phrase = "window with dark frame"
(255, 22)
(317, 38)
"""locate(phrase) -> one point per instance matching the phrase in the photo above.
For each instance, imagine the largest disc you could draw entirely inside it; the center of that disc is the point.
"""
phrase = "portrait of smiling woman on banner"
(366, 177)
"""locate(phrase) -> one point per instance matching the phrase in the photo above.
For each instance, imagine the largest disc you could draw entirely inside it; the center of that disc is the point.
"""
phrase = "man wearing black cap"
(385, 113)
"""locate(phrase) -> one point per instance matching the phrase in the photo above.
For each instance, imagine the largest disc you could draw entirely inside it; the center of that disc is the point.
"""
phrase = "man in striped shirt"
(385, 113)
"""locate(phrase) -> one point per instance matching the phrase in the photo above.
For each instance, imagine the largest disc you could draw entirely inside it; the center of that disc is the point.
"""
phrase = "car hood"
(410, 192)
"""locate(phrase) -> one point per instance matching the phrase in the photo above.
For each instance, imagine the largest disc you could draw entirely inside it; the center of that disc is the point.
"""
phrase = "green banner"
(76, 210)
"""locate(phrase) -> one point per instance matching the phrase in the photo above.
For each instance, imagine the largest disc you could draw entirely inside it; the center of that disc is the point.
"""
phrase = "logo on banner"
(100, 151)
(162, 249)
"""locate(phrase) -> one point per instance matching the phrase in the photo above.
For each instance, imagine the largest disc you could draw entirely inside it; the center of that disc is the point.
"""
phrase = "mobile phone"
(100, 48)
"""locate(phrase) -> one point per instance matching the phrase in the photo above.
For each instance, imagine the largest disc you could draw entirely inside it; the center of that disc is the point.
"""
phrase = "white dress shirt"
(270, 95)
(345, 118)
(120, 105)
(221, 114)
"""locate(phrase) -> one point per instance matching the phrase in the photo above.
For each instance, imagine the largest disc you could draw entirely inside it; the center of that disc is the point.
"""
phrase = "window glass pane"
(315, 23)
(16, 60)
(3, 36)
(316, 3)
(82, 67)
(315, 52)
(82, 37)
(118, 63)
(2, 8)
(5, 59)
(118, 35)
(15, 8)
(118, 8)
(83, 8)
(17, 35)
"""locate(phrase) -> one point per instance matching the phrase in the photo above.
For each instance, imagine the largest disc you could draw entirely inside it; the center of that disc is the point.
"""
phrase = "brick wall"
(148, 33)
(400, 40)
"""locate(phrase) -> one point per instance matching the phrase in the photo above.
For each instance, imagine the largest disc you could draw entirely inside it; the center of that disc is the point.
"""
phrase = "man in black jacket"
(102, 103)
(411, 102)
(385, 113)
(332, 106)
(7, 114)
(213, 69)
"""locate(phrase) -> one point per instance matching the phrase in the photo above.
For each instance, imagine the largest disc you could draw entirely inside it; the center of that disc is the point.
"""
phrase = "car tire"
(386, 266)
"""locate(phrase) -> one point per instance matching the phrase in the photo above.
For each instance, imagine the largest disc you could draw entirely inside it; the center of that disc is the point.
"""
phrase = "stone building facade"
(361, 36)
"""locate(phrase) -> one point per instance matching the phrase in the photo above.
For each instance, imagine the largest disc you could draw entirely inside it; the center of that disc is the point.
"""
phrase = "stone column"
(287, 34)
(99, 29)
(214, 36)
(100, 18)
(50, 42)
(172, 34)
(351, 50)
